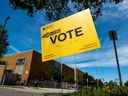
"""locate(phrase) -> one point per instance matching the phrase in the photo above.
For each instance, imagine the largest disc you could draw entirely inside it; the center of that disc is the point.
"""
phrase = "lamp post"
(113, 37)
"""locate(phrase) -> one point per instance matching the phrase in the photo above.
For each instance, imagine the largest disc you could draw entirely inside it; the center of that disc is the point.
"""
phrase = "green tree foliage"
(104, 91)
(126, 83)
(88, 79)
(112, 83)
(3, 40)
(56, 74)
(56, 9)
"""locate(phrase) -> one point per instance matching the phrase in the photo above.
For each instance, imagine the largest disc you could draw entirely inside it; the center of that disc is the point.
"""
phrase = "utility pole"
(113, 37)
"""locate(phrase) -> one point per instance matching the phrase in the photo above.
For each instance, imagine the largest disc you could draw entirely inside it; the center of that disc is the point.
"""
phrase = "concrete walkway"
(18, 90)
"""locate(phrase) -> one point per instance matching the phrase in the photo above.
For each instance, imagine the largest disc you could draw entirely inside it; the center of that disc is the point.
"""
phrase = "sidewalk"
(38, 89)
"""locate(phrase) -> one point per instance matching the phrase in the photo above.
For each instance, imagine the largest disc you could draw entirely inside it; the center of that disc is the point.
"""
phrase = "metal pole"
(75, 76)
(117, 60)
(61, 78)
(4, 75)
(87, 82)
(113, 36)
(82, 85)
(3, 81)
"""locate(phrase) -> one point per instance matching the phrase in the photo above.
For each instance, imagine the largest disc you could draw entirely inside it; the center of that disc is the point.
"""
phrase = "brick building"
(27, 67)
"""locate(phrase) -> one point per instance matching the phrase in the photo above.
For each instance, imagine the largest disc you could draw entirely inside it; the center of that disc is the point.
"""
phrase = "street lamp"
(113, 37)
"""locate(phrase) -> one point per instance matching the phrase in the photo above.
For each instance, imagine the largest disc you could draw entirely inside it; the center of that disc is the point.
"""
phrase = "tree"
(112, 83)
(3, 37)
(88, 80)
(56, 74)
(3, 40)
(56, 9)
(126, 83)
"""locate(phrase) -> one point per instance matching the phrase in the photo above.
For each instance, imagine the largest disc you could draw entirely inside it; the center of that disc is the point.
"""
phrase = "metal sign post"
(61, 70)
(75, 76)
(113, 36)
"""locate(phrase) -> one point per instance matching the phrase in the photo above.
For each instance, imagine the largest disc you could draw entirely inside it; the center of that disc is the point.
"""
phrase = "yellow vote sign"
(68, 36)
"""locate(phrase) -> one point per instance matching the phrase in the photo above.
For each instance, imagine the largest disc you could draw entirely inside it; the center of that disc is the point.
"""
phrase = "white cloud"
(104, 59)
(14, 49)
(117, 11)
(123, 6)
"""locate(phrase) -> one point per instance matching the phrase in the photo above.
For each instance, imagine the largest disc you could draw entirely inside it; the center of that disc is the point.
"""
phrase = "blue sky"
(24, 34)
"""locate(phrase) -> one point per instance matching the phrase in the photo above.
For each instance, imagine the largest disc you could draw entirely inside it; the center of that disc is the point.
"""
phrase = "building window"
(20, 61)
(20, 66)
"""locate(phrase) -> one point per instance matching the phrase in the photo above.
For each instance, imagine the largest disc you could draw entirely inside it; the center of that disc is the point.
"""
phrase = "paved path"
(31, 91)
(10, 92)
